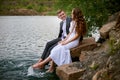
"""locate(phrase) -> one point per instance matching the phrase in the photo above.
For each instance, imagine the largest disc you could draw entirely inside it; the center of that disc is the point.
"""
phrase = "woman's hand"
(63, 43)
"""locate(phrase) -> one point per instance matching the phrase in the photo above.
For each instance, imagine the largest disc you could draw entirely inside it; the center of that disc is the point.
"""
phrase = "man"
(64, 30)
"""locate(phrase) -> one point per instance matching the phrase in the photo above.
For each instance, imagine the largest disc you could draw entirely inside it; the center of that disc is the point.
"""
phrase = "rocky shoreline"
(21, 12)
(100, 63)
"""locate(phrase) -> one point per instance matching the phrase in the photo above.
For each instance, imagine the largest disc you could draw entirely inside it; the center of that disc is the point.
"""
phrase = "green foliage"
(111, 44)
(37, 5)
(29, 7)
(114, 46)
(39, 9)
(96, 12)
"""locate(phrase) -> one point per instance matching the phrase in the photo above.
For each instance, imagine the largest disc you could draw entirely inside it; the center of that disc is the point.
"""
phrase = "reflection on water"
(22, 40)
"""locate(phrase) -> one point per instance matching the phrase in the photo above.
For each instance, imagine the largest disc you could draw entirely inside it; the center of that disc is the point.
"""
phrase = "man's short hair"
(59, 11)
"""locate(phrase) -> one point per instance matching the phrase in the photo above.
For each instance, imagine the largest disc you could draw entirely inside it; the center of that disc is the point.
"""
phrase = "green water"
(17, 70)
(22, 40)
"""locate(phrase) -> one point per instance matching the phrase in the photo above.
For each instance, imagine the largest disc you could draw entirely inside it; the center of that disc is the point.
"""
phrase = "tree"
(96, 12)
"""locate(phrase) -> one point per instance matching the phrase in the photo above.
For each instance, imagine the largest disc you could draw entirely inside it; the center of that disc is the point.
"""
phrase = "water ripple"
(22, 40)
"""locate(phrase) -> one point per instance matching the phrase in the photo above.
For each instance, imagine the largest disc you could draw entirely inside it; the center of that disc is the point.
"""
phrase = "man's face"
(62, 15)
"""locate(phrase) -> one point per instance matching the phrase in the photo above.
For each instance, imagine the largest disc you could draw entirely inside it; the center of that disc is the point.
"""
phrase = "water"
(22, 40)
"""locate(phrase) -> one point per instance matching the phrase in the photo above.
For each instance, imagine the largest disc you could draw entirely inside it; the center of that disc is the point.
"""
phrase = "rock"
(104, 31)
(113, 17)
(70, 71)
(82, 56)
(96, 62)
(113, 65)
(101, 75)
(85, 55)
(118, 22)
(23, 12)
(86, 45)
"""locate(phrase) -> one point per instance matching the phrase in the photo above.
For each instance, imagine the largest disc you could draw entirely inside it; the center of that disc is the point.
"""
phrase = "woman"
(60, 54)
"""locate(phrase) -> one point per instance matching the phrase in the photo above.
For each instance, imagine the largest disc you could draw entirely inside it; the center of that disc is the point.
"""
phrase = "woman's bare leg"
(51, 68)
(41, 64)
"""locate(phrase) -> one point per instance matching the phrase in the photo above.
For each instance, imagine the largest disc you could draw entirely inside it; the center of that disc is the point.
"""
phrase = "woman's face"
(62, 15)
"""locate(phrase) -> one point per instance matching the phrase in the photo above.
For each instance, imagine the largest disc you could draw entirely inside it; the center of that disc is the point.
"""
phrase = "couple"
(58, 50)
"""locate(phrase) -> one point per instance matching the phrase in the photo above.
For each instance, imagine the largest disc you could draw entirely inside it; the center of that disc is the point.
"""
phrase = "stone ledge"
(70, 71)
(86, 45)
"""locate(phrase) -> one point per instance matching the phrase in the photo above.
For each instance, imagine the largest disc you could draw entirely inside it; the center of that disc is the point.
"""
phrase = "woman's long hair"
(80, 21)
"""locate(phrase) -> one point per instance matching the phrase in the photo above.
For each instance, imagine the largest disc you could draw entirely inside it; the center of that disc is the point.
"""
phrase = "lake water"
(22, 40)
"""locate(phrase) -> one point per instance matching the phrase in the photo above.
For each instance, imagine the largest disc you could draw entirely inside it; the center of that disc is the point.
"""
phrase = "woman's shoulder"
(73, 22)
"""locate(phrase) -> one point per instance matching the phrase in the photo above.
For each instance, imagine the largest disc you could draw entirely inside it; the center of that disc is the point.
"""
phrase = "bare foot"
(38, 65)
(50, 71)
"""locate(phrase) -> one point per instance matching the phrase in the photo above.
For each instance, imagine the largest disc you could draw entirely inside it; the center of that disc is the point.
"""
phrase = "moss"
(105, 76)
(94, 66)
(114, 46)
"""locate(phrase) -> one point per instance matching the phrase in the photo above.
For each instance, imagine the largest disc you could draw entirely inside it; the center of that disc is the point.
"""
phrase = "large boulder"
(86, 45)
(104, 31)
(101, 63)
(70, 71)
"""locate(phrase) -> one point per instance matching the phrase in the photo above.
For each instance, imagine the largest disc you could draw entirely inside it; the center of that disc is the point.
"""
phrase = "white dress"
(60, 54)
